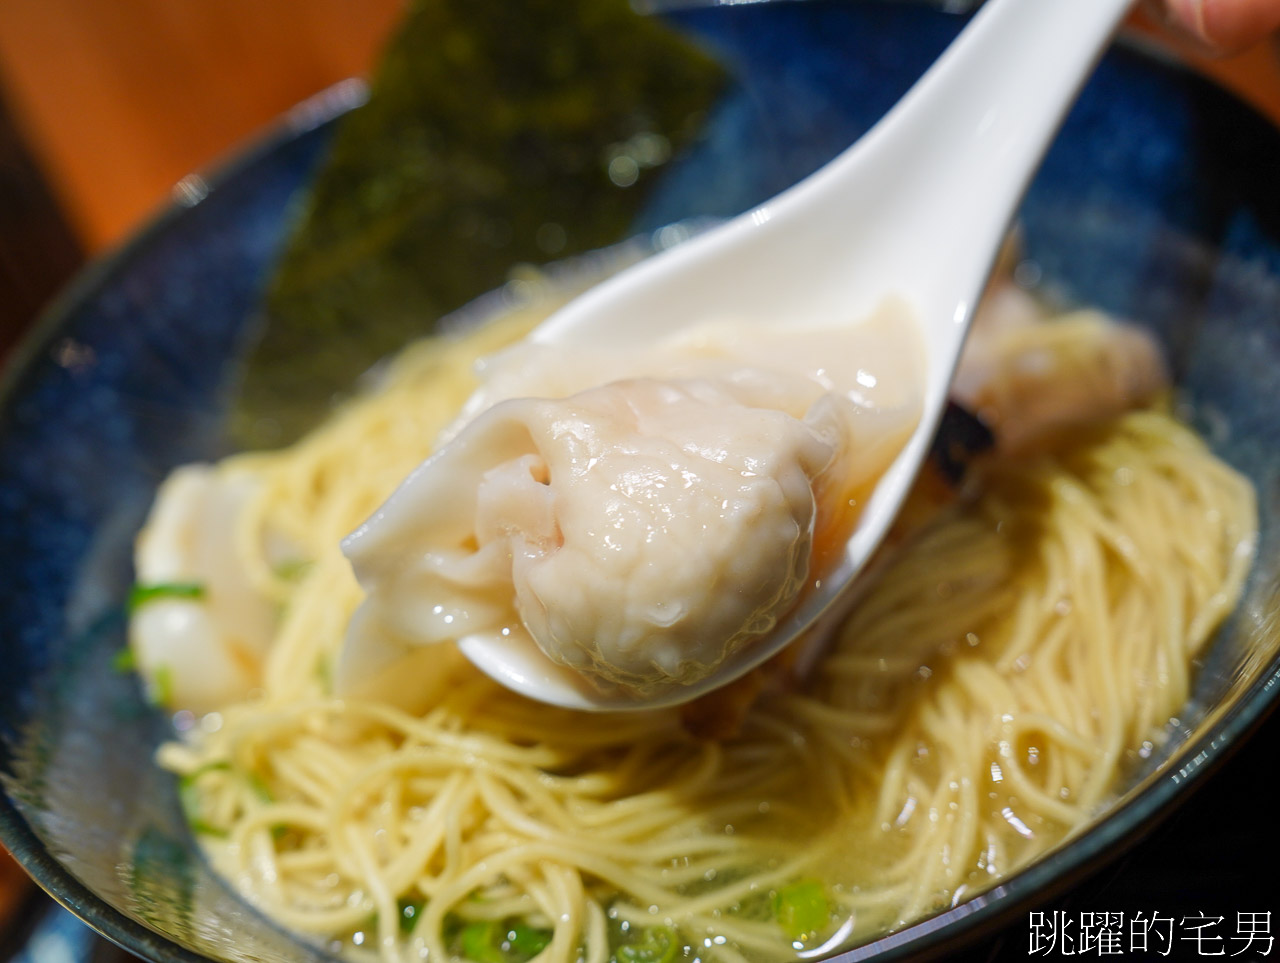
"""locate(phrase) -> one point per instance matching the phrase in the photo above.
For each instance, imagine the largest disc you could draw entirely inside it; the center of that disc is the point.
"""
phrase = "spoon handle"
(963, 144)
(915, 208)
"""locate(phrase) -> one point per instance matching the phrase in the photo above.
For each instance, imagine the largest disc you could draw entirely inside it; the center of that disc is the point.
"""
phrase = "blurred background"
(106, 104)
(116, 101)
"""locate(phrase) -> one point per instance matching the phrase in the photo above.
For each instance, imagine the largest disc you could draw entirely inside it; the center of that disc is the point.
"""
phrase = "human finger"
(1224, 26)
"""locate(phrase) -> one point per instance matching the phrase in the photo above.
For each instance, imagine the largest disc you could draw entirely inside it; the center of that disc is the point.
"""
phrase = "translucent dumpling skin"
(639, 531)
(204, 648)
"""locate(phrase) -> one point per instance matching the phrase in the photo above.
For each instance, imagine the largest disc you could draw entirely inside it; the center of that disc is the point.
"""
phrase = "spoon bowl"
(916, 209)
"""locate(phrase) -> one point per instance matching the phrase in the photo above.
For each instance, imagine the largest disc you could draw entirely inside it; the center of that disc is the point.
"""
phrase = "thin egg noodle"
(980, 705)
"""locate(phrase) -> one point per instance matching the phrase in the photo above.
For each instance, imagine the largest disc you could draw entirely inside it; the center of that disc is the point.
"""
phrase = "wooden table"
(118, 99)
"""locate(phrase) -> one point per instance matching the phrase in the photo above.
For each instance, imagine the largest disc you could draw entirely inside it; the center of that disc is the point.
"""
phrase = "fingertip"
(1189, 17)
(1229, 25)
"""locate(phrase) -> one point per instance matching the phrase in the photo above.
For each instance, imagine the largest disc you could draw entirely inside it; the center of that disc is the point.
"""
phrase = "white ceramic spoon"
(918, 208)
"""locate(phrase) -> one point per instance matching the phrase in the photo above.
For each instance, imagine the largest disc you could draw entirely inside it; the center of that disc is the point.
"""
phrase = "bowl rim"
(319, 110)
(1122, 825)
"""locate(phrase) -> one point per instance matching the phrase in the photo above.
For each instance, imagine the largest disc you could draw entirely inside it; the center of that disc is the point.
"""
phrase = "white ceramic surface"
(917, 208)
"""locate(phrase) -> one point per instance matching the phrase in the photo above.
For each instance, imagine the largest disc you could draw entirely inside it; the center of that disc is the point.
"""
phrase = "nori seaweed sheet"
(486, 142)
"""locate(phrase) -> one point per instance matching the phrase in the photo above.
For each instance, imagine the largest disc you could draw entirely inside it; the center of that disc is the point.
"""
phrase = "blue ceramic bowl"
(1158, 202)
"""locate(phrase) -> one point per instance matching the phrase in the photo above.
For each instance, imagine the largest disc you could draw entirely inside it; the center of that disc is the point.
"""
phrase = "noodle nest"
(982, 703)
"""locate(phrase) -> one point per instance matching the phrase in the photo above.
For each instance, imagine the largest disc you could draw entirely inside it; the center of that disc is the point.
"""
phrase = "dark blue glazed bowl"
(1159, 202)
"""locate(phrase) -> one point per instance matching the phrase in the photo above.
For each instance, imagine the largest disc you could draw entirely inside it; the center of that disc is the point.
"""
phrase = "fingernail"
(1190, 15)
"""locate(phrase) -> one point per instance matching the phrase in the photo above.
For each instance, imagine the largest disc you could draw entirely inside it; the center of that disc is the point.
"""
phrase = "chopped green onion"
(292, 569)
(259, 787)
(218, 765)
(189, 800)
(161, 691)
(657, 944)
(479, 942)
(140, 594)
(525, 941)
(801, 909)
(324, 673)
(511, 940)
(202, 828)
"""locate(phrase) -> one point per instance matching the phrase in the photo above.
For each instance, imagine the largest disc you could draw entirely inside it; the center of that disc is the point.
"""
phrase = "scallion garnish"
(141, 594)
(655, 944)
(801, 909)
